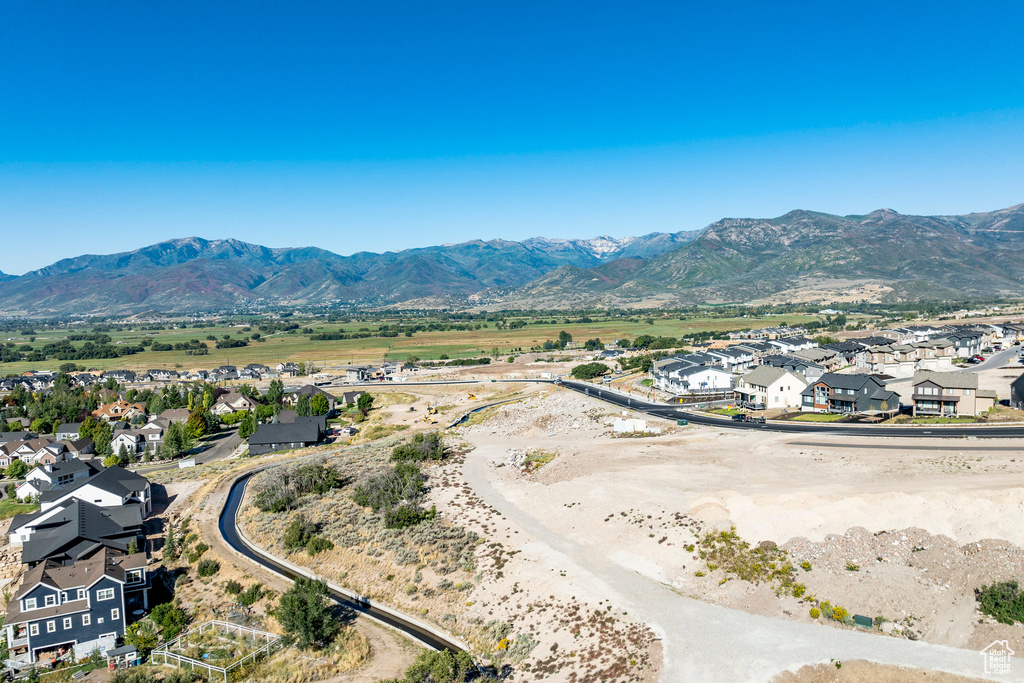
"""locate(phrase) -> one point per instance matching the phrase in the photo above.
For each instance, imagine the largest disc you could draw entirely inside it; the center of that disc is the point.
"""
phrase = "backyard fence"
(258, 645)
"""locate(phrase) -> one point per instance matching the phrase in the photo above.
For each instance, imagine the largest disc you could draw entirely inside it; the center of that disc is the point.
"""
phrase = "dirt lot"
(897, 528)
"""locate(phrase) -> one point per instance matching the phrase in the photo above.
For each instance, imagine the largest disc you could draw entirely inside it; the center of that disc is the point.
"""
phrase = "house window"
(105, 594)
(51, 626)
(67, 623)
(115, 614)
(50, 600)
(86, 620)
(33, 630)
(30, 604)
(81, 594)
(135, 576)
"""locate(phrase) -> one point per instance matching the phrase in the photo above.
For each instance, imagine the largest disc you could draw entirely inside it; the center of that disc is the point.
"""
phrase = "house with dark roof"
(349, 398)
(77, 608)
(60, 474)
(311, 391)
(950, 394)
(75, 530)
(284, 436)
(68, 431)
(111, 487)
(808, 369)
(853, 394)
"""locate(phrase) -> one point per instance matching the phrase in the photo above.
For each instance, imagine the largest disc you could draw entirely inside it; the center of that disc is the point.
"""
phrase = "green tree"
(170, 618)
(247, 427)
(304, 612)
(275, 392)
(16, 470)
(563, 339)
(197, 425)
(319, 405)
(589, 370)
(302, 405)
(101, 436)
(170, 543)
(142, 635)
(364, 403)
(40, 426)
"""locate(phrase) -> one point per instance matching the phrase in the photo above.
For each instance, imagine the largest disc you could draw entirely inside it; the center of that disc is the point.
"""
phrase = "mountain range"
(194, 274)
(810, 256)
(802, 255)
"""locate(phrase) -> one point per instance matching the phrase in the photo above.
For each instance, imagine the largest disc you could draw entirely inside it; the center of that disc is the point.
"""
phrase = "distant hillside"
(745, 259)
(194, 274)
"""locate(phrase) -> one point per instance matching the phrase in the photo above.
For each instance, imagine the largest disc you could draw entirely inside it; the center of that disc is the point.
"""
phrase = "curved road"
(675, 413)
(228, 528)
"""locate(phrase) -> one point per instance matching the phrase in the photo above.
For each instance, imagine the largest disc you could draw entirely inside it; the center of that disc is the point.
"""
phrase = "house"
(54, 452)
(119, 410)
(7, 437)
(350, 398)
(771, 387)
(175, 415)
(950, 394)
(790, 344)
(733, 358)
(283, 437)
(80, 448)
(122, 376)
(68, 431)
(355, 374)
(758, 349)
(849, 350)
(111, 487)
(903, 360)
(287, 369)
(854, 394)
(827, 358)
(56, 475)
(808, 369)
(286, 417)
(36, 450)
(81, 607)
(161, 375)
(131, 440)
(232, 402)
(681, 377)
(311, 391)
(75, 530)
(966, 342)
(1017, 393)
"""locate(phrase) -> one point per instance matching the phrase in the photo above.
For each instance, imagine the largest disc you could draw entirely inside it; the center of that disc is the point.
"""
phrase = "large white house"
(681, 377)
(771, 387)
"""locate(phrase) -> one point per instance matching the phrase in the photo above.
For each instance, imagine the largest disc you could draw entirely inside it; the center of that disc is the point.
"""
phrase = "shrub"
(304, 613)
(1004, 602)
(208, 567)
(232, 587)
(251, 595)
(852, 567)
(815, 613)
(826, 609)
(169, 618)
(840, 613)
(798, 590)
(280, 489)
(298, 533)
(805, 565)
(420, 447)
(318, 544)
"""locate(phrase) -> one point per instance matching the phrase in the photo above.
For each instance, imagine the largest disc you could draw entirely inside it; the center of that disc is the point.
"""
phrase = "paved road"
(914, 431)
(705, 642)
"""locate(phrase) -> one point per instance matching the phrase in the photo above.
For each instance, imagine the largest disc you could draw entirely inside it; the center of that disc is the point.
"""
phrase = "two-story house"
(852, 394)
(311, 391)
(76, 608)
(950, 394)
(767, 387)
(75, 530)
(112, 487)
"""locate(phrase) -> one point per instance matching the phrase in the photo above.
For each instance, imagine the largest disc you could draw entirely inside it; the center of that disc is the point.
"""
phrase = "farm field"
(426, 345)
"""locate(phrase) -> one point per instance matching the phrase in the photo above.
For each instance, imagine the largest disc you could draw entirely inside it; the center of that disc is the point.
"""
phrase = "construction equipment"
(472, 397)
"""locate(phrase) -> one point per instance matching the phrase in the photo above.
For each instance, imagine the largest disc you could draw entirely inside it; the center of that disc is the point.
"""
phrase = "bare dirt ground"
(895, 528)
(857, 671)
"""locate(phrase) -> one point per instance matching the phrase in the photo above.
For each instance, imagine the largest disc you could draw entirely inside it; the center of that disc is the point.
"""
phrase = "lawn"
(818, 417)
(942, 420)
(728, 412)
(9, 508)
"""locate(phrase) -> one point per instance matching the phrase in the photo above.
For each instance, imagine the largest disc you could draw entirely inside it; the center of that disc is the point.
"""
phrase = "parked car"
(741, 417)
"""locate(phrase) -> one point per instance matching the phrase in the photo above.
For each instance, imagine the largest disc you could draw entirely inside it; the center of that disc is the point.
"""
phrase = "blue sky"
(376, 126)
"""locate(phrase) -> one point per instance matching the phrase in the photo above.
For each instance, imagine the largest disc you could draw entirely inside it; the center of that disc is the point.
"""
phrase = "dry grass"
(348, 651)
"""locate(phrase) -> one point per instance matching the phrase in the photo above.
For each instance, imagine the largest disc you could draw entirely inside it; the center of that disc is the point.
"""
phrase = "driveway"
(705, 642)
